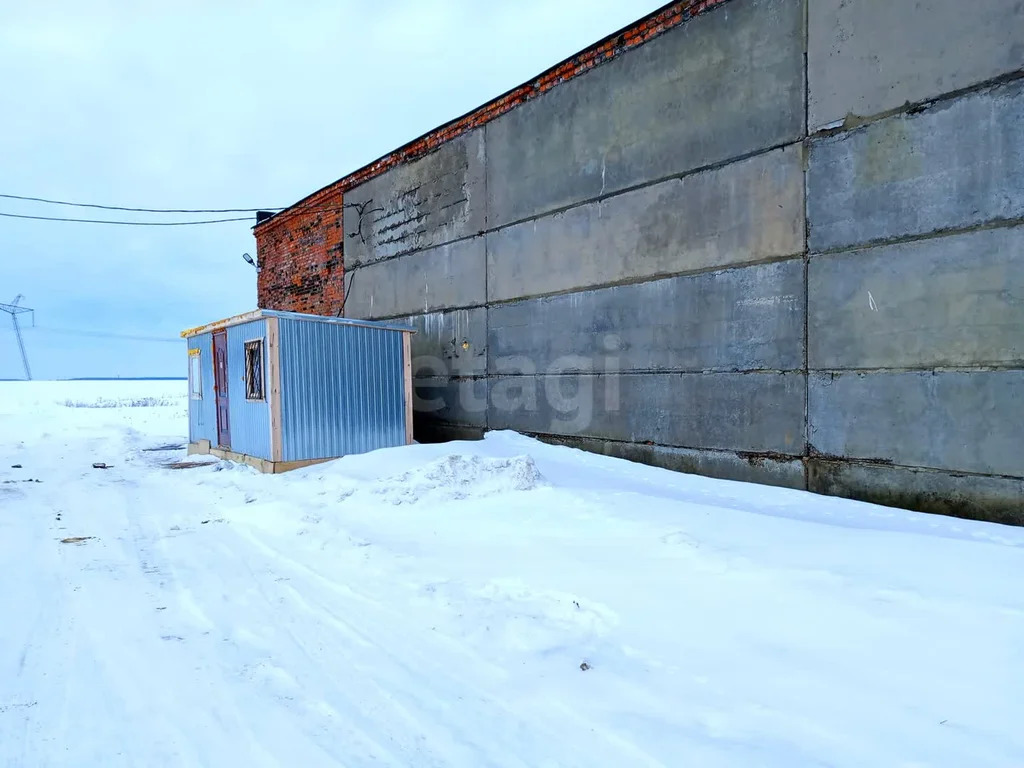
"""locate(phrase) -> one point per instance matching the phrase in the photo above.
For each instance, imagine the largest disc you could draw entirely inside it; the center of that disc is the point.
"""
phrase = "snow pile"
(456, 477)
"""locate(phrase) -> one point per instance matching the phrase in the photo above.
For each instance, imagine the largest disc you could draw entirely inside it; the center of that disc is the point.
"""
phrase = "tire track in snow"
(37, 632)
(356, 704)
(408, 652)
(186, 571)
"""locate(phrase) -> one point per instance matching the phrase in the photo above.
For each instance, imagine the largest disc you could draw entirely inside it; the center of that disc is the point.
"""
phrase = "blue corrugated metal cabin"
(281, 390)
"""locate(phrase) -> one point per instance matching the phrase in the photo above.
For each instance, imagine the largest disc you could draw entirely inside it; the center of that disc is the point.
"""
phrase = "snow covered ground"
(433, 605)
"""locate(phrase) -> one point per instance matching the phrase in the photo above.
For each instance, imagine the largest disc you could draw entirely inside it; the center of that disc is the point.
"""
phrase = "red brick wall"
(301, 259)
(301, 249)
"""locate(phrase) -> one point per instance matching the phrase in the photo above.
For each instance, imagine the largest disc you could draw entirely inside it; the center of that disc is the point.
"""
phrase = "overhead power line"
(100, 334)
(141, 210)
(125, 223)
(107, 335)
(305, 208)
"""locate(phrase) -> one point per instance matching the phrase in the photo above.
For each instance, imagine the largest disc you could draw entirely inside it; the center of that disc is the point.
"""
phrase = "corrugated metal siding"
(249, 420)
(202, 414)
(342, 389)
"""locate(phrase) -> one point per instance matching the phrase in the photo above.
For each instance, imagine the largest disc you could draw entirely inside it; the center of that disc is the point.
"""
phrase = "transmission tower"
(13, 309)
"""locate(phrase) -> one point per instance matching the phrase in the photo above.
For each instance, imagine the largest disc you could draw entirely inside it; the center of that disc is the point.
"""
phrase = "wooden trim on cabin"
(407, 359)
(302, 317)
(220, 325)
(200, 446)
(274, 383)
(261, 314)
(288, 466)
(263, 465)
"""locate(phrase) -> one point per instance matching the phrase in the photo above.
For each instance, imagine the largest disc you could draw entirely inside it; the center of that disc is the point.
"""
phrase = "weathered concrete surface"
(725, 84)
(745, 211)
(976, 497)
(755, 412)
(866, 57)
(451, 401)
(451, 343)
(741, 319)
(967, 421)
(958, 164)
(946, 301)
(724, 465)
(433, 200)
(601, 264)
(451, 275)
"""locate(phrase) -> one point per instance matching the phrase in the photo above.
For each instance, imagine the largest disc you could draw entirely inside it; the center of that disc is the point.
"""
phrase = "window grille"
(254, 370)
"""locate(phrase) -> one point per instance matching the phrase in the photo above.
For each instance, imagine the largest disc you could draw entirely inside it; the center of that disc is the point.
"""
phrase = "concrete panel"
(754, 412)
(725, 84)
(449, 276)
(450, 401)
(865, 57)
(433, 200)
(976, 497)
(958, 164)
(940, 302)
(746, 211)
(741, 319)
(966, 421)
(452, 343)
(724, 465)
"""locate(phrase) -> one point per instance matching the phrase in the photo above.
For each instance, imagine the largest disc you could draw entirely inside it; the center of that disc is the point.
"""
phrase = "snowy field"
(501, 603)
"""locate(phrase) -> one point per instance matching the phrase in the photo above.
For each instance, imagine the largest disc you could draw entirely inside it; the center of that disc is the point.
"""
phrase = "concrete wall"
(658, 260)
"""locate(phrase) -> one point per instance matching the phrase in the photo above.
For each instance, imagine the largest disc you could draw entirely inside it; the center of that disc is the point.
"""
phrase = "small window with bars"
(254, 389)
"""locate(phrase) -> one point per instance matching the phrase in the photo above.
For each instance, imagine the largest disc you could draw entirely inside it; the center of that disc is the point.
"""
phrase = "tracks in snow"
(221, 644)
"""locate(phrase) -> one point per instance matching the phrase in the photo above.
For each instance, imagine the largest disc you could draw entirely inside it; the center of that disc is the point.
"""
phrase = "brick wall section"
(301, 258)
(301, 249)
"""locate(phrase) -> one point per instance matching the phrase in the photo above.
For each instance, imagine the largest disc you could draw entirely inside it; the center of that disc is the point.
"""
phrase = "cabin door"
(220, 387)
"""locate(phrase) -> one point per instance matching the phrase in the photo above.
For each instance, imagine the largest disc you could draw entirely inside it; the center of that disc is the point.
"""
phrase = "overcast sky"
(218, 104)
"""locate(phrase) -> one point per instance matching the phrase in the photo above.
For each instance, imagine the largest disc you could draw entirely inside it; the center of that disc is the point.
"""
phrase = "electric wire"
(274, 210)
(101, 334)
(125, 223)
(140, 210)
